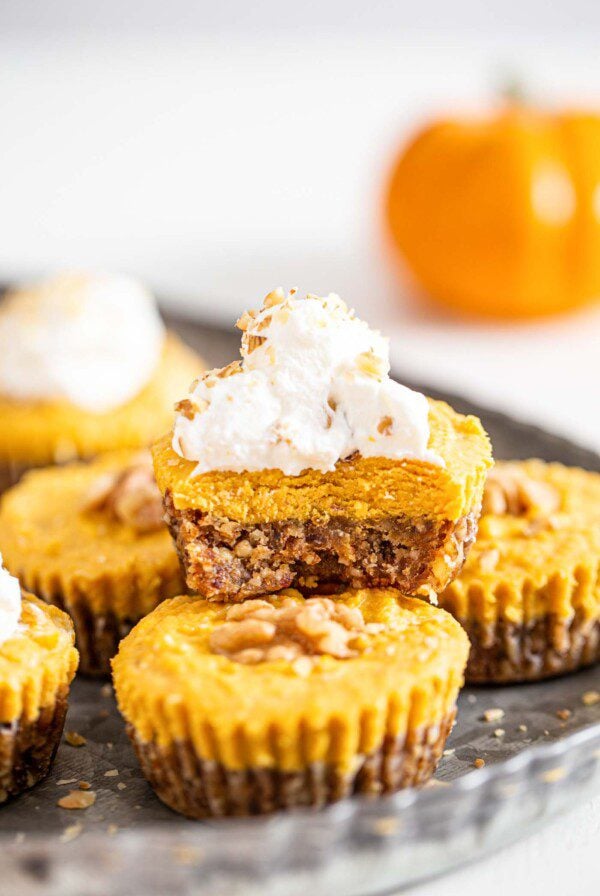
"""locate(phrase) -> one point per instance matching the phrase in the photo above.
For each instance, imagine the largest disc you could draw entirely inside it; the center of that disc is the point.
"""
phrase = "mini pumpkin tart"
(37, 664)
(85, 367)
(305, 465)
(285, 701)
(90, 539)
(529, 594)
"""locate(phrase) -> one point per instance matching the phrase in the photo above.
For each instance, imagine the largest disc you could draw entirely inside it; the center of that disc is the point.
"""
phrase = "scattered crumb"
(523, 728)
(590, 698)
(84, 785)
(71, 832)
(103, 714)
(77, 799)
(112, 830)
(111, 773)
(106, 690)
(449, 752)
(546, 732)
(435, 782)
(471, 698)
(187, 855)
(387, 826)
(563, 714)
(493, 715)
(499, 732)
(66, 781)
(19, 837)
(553, 774)
(74, 739)
(109, 745)
(479, 762)
(121, 786)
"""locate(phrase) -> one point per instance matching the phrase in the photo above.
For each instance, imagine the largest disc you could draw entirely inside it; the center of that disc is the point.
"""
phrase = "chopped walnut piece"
(385, 426)
(276, 297)
(245, 320)
(252, 342)
(130, 496)
(186, 408)
(77, 799)
(590, 698)
(369, 364)
(255, 631)
(509, 491)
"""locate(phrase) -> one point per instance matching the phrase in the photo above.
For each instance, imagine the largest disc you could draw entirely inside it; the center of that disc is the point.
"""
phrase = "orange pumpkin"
(502, 216)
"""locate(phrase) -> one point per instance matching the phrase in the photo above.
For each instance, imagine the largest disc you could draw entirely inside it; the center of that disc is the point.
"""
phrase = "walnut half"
(509, 491)
(130, 496)
(255, 631)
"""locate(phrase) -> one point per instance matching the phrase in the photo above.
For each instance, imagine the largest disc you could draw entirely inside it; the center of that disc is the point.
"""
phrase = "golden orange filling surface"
(400, 668)
(360, 488)
(37, 662)
(538, 548)
(40, 433)
(93, 533)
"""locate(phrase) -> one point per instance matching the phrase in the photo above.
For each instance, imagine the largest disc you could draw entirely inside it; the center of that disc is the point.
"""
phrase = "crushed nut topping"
(255, 631)
(509, 491)
(385, 426)
(370, 364)
(130, 496)
(77, 799)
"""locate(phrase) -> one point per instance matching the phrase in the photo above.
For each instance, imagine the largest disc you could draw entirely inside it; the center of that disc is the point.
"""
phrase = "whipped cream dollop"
(312, 388)
(93, 340)
(10, 604)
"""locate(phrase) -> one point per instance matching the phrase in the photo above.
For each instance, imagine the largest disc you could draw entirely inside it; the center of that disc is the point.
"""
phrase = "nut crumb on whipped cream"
(92, 340)
(312, 388)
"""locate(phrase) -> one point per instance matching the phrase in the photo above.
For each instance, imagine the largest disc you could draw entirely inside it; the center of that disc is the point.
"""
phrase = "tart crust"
(529, 593)
(216, 736)
(105, 573)
(371, 522)
(42, 433)
(37, 665)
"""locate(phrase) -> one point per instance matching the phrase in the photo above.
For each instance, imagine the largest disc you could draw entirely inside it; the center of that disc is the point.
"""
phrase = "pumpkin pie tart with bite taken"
(304, 465)
(86, 366)
(89, 538)
(529, 594)
(286, 701)
(37, 664)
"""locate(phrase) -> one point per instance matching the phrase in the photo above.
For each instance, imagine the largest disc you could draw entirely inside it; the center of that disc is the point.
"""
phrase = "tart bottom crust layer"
(227, 560)
(28, 747)
(199, 788)
(549, 646)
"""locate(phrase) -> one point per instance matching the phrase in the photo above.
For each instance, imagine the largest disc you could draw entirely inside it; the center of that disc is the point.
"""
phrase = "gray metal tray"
(128, 843)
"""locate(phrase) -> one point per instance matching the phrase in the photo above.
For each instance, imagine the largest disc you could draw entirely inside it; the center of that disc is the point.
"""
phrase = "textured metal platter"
(128, 843)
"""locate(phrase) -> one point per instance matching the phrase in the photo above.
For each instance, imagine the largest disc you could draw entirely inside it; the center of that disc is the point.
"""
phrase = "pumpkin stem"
(512, 91)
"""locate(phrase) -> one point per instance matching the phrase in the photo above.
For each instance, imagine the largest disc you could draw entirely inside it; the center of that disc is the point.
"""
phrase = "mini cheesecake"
(528, 595)
(37, 664)
(284, 701)
(86, 366)
(304, 465)
(90, 539)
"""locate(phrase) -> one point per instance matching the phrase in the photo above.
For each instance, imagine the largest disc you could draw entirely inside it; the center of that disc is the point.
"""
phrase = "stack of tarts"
(310, 499)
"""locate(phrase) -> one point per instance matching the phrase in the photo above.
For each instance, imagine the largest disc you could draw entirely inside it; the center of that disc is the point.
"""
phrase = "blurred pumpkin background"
(218, 150)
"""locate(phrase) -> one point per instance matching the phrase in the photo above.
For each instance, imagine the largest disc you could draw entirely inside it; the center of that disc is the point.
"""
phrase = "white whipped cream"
(91, 339)
(10, 604)
(315, 390)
